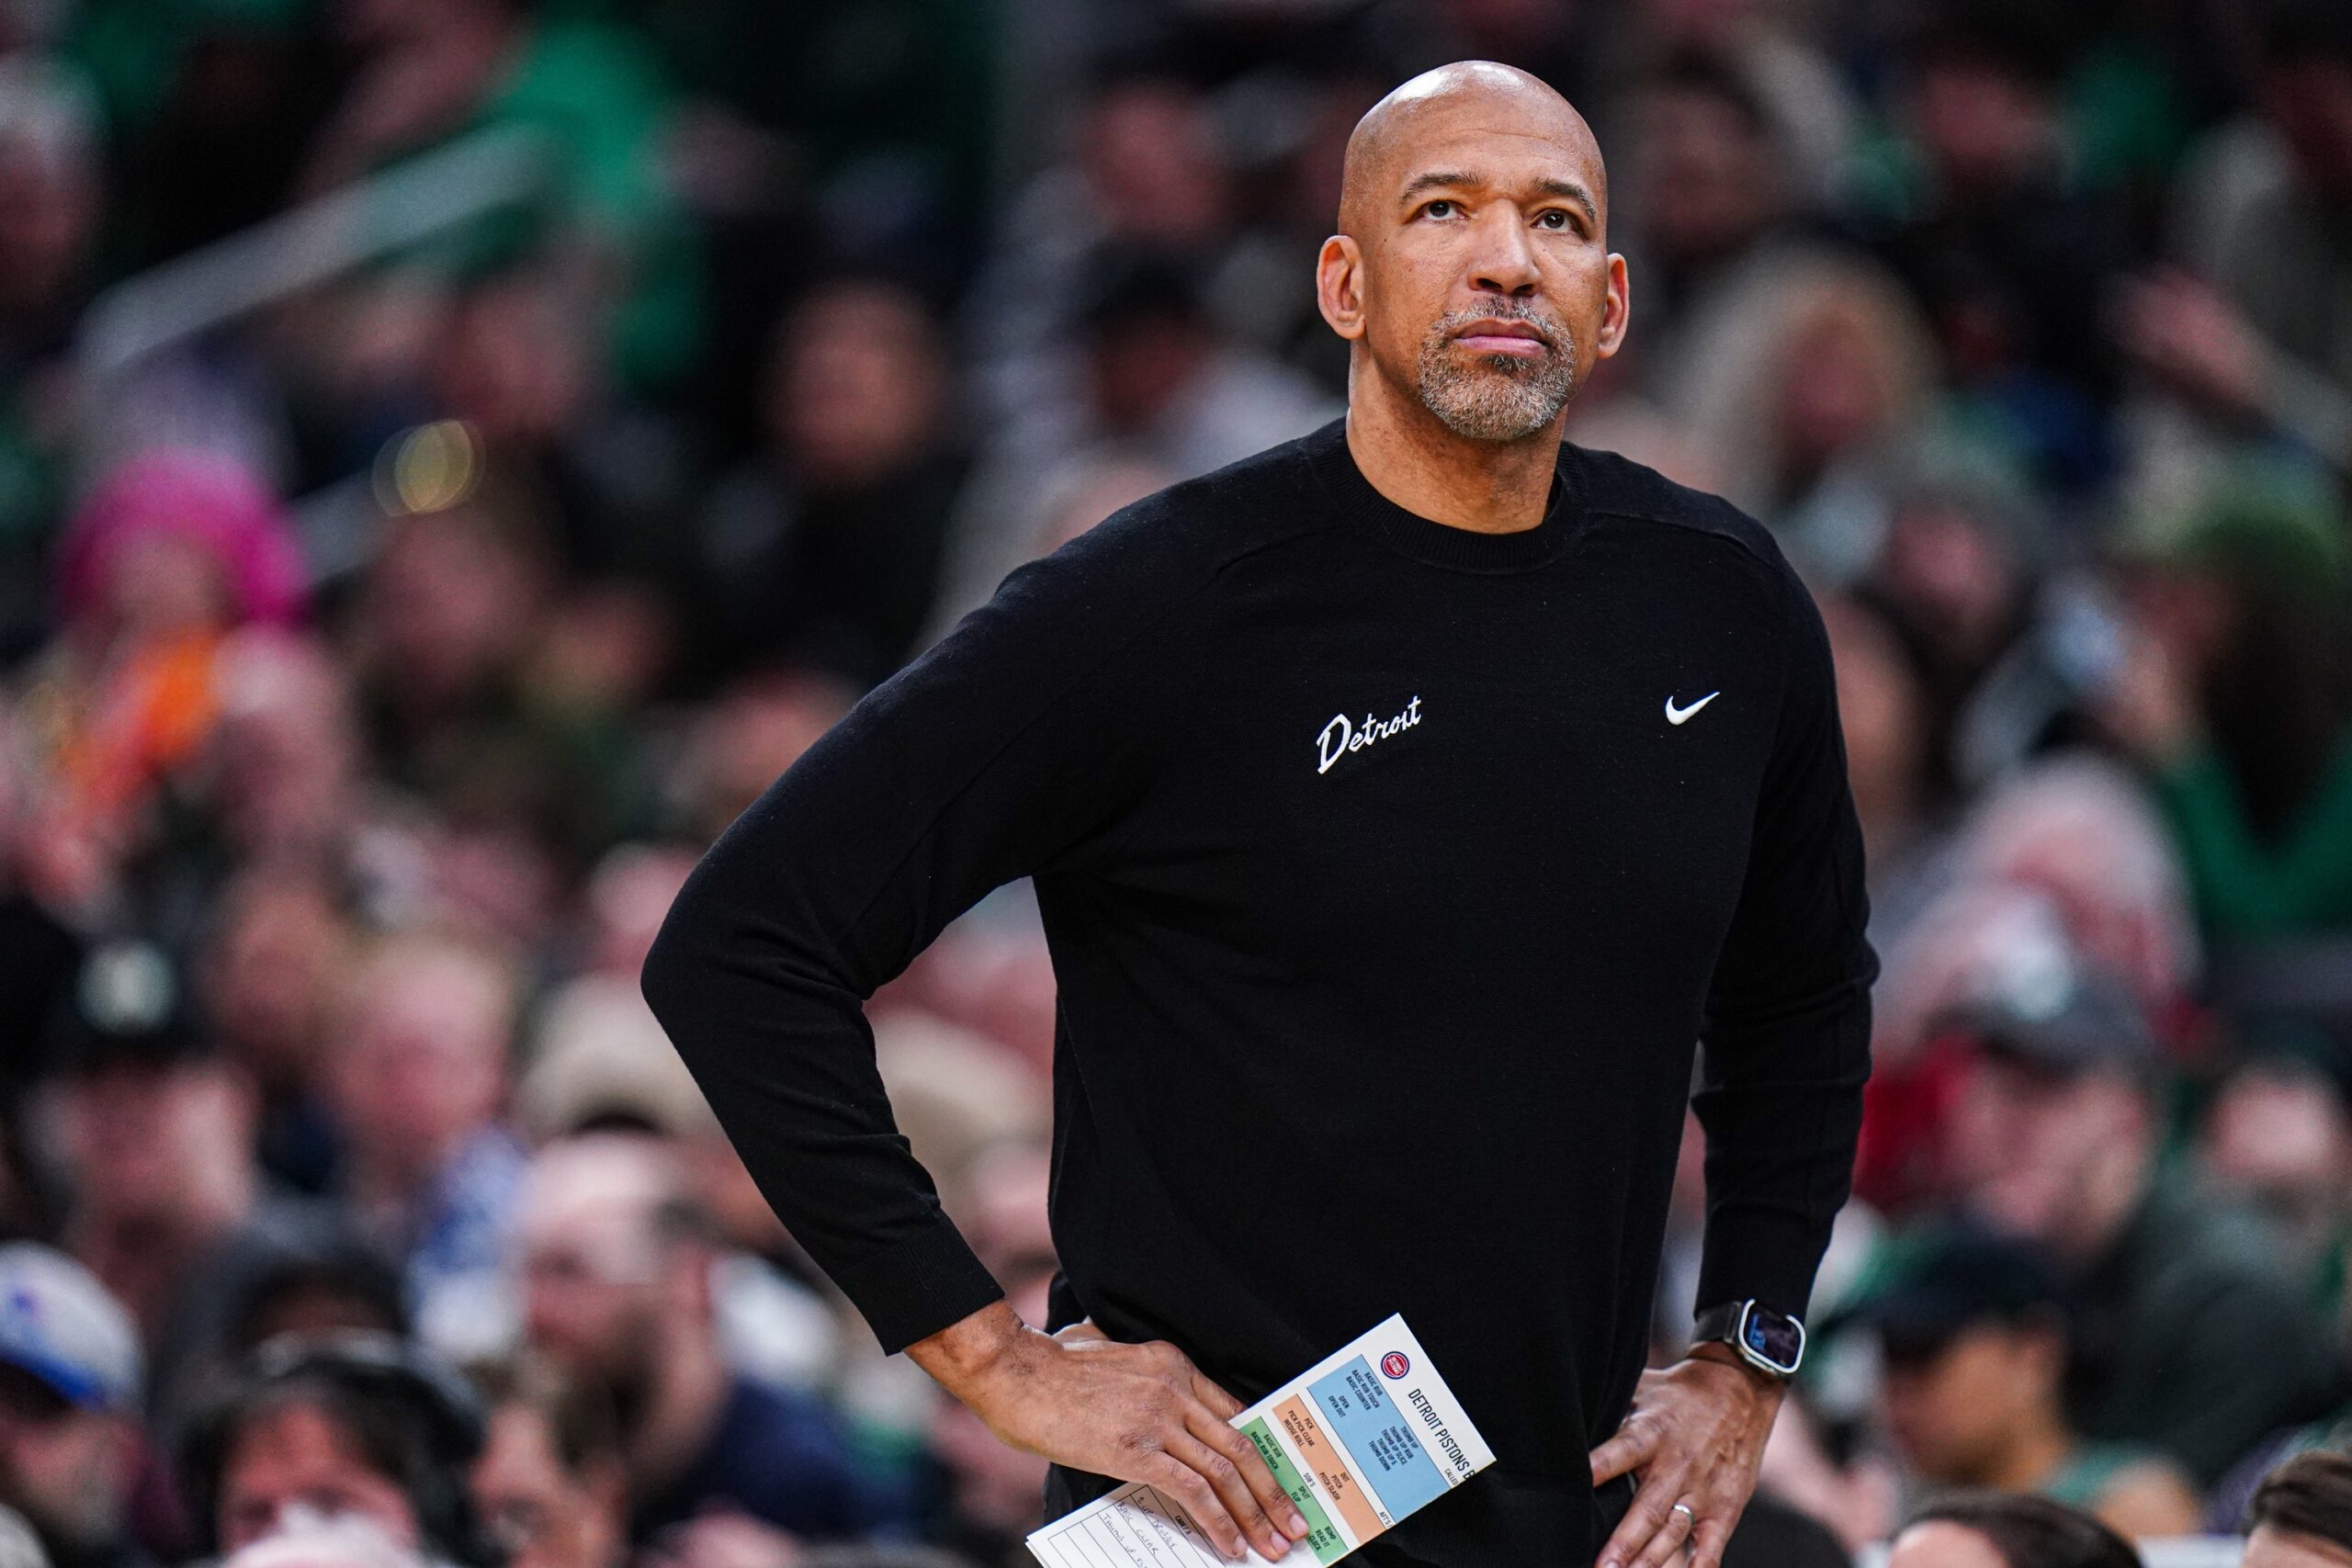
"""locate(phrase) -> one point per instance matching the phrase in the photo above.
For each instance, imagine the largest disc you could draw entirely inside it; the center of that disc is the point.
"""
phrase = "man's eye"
(1439, 208)
(1555, 218)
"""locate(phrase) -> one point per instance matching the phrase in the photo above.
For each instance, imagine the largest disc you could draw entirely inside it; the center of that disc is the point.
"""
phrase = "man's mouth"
(1518, 339)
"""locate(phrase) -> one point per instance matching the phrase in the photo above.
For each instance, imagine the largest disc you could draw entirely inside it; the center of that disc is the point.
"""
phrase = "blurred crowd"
(407, 570)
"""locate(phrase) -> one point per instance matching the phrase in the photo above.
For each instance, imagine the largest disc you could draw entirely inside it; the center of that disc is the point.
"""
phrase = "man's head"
(1973, 1336)
(1471, 273)
(615, 1260)
(2006, 1529)
(346, 1426)
(857, 383)
(1709, 183)
(422, 1061)
(548, 1486)
(152, 1126)
(69, 1394)
(2302, 1515)
(2278, 1132)
(2054, 1134)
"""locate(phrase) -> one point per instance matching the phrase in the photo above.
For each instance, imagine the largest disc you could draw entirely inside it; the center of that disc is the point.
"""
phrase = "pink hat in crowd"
(212, 500)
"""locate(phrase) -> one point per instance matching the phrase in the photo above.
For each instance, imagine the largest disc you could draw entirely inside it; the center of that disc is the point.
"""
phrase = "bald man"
(1406, 805)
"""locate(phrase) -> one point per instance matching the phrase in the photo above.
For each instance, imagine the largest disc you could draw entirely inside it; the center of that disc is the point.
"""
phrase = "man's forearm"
(962, 1357)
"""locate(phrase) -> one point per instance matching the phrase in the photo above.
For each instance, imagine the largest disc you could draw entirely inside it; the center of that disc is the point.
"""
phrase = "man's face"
(421, 1068)
(1950, 1406)
(1475, 269)
(545, 1515)
(294, 1461)
(142, 1138)
(592, 1286)
(66, 1470)
(1710, 186)
(2027, 1145)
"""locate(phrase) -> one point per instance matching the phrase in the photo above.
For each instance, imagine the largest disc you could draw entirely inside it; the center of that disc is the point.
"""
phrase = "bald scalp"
(1468, 94)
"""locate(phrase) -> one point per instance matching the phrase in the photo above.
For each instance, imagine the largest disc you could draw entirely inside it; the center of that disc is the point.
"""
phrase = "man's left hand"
(1695, 1436)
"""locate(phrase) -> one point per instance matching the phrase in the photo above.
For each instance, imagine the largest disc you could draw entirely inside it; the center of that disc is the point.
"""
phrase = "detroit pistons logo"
(1394, 1365)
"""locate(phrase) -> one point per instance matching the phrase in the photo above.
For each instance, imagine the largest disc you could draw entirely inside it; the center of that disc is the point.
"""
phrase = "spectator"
(1803, 398)
(603, 1064)
(352, 1426)
(1153, 378)
(2237, 700)
(2204, 1345)
(1996, 1530)
(616, 1270)
(2009, 263)
(2243, 327)
(824, 552)
(2279, 1136)
(156, 1132)
(171, 552)
(282, 778)
(2303, 1514)
(1976, 1341)
(269, 970)
(70, 1441)
(548, 1486)
(415, 1084)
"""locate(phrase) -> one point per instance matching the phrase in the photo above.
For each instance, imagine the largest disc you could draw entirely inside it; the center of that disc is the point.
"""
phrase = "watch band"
(1730, 1323)
(1718, 1323)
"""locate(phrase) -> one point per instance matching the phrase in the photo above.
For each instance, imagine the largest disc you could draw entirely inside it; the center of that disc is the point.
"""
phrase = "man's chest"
(1527, 762)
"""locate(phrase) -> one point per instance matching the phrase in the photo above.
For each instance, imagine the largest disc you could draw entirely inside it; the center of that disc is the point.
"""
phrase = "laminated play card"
(1362, 1438)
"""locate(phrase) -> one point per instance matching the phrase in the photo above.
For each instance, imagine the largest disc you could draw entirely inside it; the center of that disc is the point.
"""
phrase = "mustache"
(1551, 329)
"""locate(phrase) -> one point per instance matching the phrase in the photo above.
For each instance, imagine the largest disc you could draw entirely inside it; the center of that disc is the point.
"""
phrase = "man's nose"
(1505, 262)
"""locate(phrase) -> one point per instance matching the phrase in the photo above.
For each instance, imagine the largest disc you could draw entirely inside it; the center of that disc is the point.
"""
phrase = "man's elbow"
(670, 975)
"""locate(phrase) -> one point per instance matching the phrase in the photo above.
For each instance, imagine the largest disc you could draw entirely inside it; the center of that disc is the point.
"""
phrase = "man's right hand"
(1136, 1412)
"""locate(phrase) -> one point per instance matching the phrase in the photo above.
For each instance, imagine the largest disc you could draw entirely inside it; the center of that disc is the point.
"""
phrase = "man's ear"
(1616, 313)
(1339, 286)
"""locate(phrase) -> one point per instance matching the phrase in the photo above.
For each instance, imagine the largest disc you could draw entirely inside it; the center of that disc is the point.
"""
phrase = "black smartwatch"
(1772, 1342)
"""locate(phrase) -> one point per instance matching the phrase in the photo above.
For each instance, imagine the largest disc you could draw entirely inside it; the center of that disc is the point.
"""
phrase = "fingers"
(1681, 1518)
(1635, 1444)
(1193, 1493)
(1629, 1542)
(1275, 1503)
(1709, 1541)
(1215, 1398)
(1226, 1477)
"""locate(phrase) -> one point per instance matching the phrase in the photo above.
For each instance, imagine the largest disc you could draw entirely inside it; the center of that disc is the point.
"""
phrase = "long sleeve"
(2244, 887)
(1786, 1041)
(1010, 747)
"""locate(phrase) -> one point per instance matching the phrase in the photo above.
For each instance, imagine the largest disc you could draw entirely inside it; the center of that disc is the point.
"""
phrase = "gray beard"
(1495, 397)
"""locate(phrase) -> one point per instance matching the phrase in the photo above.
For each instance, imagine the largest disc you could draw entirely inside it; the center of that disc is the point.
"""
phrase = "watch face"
(1773, 1336)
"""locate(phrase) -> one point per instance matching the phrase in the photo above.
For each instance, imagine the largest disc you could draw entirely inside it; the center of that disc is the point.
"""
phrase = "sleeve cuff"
(918, 1286)
(1762, 1257)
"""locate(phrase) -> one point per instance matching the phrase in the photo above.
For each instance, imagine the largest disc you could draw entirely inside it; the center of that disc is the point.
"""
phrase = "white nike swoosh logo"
(1676, 715)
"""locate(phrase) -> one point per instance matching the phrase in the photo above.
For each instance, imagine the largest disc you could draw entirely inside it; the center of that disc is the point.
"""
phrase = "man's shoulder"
(1617, 486)
(1210, 519)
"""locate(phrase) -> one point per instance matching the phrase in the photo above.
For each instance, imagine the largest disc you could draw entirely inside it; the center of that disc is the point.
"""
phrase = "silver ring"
(1684, 1510)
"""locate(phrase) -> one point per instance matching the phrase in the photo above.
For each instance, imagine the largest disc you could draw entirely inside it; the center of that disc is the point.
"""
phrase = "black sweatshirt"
(1388, 899)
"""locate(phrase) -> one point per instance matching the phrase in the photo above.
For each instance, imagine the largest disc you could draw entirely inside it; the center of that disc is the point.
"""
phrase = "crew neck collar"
(1442, 544)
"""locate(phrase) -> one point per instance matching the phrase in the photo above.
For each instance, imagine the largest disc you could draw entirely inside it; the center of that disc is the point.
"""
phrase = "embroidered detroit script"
(1340, 737)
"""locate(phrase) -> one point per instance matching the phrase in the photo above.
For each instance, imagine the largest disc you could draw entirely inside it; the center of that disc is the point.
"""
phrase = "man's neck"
(1487, 487)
